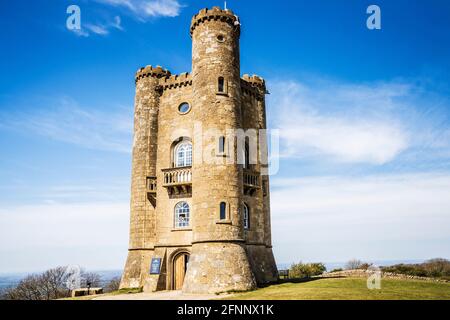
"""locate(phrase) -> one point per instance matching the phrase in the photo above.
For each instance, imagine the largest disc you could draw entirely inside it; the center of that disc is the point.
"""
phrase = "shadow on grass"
(299, 280)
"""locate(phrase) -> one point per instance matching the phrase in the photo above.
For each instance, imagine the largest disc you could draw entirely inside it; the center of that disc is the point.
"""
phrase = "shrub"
(306, 270)
(46, 286)
(434, 268)
(51, 284)
(113, 285)
(357, 264)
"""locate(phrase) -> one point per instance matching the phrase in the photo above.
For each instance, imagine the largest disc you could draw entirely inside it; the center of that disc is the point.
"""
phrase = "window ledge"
(222, 93)
(181, 229)
(223, 155)
(224, 221)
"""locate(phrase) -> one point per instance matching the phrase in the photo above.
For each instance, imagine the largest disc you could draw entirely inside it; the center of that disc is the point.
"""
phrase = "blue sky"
(364, 119)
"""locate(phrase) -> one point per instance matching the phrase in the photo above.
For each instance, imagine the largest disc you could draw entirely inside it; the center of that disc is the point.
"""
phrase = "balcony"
(178, 181)
(251, 182)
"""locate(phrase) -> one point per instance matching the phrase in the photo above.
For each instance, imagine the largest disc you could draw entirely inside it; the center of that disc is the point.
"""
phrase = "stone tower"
(200, 207)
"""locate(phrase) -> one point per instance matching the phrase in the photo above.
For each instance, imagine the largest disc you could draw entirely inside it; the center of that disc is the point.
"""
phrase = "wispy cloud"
(68, 122)
(148, 8)
(101, 29)
(372, 217)
(354, 123)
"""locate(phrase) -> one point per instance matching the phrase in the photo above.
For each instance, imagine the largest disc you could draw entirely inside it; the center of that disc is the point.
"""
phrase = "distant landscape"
(12, 279)
(8, 280)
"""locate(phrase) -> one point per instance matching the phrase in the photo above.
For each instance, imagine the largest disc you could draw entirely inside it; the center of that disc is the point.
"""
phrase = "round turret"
(149, 71)
(215, 14)
(255, 81)
(218, 250)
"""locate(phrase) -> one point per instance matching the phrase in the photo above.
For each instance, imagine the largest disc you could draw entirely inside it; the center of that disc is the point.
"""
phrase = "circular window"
(184, 107)
(220, 38)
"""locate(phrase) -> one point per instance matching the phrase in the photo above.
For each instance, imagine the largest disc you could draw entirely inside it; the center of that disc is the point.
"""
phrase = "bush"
(113, 285)
(46, 286)
(336, 270)
(306, 270)
(357, 264)
(51, 284)
(434, 268)
(90, 279)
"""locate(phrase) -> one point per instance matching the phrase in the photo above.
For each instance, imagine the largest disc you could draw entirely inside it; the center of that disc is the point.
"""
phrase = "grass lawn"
(350, 289)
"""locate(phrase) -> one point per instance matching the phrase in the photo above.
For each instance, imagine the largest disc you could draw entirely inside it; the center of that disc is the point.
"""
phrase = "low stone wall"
(361, 273)
(86, 292)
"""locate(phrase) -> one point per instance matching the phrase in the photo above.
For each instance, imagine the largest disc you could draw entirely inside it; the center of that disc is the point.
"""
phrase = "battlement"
(149, 71)
(176, 81)
(214, 14)
(254, 83)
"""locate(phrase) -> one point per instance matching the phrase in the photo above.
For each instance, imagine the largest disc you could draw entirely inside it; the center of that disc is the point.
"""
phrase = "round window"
(184, 107)
(220, 38)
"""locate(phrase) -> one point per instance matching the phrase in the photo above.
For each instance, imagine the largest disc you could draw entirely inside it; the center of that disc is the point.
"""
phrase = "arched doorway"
(180, 265)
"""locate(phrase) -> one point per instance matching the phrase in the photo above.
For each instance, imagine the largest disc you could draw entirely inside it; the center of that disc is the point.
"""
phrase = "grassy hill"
(350, 289)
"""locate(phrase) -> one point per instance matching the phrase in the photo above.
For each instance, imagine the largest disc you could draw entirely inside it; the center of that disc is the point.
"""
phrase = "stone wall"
(360, 273)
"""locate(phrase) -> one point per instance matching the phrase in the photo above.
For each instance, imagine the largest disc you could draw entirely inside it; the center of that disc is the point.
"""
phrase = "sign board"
(155, 266)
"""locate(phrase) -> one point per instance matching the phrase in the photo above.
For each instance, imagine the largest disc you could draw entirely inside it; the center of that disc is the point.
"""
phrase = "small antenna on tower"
(225, 6)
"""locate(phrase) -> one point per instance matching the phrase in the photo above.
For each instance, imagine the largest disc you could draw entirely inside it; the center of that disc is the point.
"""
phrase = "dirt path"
(160, 295)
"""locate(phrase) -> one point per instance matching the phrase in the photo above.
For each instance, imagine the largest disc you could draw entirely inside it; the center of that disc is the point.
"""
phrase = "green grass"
(350, 289)
(113, 293)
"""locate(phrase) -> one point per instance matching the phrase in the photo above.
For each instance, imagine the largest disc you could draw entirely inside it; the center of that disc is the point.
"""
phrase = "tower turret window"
(183, 154)
(246, 216)
(246, 155)
(223, 211)
(221, 145)
(184, 108)
(221, 85)
(182, 215)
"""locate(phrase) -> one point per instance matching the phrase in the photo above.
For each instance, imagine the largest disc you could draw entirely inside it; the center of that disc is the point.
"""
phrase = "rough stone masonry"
(195, 225)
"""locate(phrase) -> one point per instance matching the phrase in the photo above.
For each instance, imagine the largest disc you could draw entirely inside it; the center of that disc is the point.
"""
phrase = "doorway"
(180, 265)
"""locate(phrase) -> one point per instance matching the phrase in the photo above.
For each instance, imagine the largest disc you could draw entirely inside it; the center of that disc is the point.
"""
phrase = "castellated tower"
(200, 207)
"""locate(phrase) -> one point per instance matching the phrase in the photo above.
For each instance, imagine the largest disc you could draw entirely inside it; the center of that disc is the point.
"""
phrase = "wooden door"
(179, 269)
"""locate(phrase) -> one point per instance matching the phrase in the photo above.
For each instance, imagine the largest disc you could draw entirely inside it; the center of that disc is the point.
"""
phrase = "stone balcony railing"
(178, 181)
(251, 182)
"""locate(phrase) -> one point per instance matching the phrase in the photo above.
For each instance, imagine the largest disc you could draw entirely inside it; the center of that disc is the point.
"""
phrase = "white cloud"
(373, 217)
(148, 8)
(101, 130)
(97, 29)
(165, 8)
(348, 123)
(37, 237)
(101, 29)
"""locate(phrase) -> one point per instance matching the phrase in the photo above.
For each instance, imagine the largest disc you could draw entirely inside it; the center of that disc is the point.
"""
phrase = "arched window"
(183, 154)
(223, 211)
(221, 85)
(182, 215)
(246, 216)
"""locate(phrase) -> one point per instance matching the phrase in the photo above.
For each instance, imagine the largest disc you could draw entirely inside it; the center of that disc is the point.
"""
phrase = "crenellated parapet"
(176, 81)
(215, 14)
(254, 85)
(154, 72)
